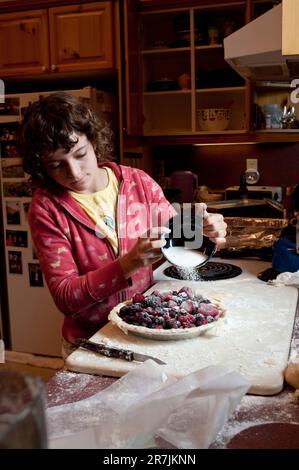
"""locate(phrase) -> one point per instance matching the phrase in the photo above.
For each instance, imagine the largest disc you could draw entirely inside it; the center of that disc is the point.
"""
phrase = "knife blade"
(119, 353)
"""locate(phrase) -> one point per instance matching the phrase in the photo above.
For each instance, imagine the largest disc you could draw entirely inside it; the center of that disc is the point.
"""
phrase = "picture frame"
(8, 132)
(15, 262)
(13, 212)
(35, 275)
(17, 238)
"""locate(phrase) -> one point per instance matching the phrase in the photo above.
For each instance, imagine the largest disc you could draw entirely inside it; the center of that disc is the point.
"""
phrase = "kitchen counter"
(259, 422)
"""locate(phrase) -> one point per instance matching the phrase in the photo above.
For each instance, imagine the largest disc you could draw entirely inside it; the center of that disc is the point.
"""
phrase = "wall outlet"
(251, 163)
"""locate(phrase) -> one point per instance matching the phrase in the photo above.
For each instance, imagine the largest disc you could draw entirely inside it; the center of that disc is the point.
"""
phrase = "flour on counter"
(72, 384)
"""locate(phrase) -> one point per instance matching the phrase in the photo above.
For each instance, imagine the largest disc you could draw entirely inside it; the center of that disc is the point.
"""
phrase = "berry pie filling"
(164, 310)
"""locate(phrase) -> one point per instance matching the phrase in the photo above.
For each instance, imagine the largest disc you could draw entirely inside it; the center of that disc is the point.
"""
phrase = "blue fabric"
(285, 257)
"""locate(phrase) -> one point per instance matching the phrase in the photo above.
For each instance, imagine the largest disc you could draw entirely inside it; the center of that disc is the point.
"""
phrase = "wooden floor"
(44, 373)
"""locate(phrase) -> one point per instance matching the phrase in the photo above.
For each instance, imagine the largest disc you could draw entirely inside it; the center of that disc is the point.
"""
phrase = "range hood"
(255, 51)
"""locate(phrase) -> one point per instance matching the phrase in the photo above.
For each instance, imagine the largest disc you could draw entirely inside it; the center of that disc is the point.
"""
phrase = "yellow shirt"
(102, 207)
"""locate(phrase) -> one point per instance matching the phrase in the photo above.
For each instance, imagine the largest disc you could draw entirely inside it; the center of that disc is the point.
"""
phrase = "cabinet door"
(133, 85)
(24, 43)
(81, 37)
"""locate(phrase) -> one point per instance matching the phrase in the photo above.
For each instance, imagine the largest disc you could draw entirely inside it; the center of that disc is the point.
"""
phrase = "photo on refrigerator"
(13, 212)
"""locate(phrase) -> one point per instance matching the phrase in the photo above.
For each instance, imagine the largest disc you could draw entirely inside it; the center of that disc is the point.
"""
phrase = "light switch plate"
(251, 163)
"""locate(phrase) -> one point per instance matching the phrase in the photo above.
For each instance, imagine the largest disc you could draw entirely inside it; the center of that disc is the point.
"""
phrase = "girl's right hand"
(145, 252)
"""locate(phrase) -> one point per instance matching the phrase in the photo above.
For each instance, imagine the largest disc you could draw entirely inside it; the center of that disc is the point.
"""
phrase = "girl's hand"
(145, 252)
(214, 226)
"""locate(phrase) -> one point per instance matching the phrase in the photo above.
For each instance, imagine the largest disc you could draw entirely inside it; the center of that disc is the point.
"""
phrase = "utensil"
(185, 246)
(108, 351)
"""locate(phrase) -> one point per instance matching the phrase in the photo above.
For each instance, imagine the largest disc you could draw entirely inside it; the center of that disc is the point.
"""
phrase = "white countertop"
(250, 269)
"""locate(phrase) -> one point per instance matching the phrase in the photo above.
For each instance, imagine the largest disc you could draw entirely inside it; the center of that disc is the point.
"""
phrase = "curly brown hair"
(48, 125)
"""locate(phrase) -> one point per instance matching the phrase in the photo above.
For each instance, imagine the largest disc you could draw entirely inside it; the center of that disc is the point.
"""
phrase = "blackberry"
(168, 325)
(135, 308)
(152, 301)
(158, 311)
(126, 310)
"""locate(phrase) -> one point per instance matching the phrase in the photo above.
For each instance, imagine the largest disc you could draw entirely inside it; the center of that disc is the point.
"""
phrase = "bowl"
(186, 247)
(213, 119)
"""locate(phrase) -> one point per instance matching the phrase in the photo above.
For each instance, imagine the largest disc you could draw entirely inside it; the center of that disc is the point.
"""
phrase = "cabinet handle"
(53, 67)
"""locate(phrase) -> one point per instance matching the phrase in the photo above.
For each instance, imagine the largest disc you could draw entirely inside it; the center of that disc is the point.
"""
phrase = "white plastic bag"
(147, 403)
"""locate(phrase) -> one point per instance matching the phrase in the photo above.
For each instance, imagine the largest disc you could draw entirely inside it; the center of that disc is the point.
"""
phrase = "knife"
(108, 351)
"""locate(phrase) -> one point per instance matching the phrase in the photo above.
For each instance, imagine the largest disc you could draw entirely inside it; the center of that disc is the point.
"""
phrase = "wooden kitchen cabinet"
(171, 115)
(290, 42)
(81, 37)
(184, 69)
(59, 39)
(24, 43)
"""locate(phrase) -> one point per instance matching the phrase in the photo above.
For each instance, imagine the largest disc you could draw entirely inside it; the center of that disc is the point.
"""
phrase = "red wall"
(221, 166)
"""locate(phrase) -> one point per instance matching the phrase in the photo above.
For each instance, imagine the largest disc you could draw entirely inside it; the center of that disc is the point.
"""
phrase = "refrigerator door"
(34, 321)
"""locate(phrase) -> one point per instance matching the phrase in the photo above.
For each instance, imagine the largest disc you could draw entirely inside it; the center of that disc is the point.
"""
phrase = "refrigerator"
(33, 322)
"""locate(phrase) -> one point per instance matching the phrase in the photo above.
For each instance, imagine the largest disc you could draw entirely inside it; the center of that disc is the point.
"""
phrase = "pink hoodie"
(82, 272)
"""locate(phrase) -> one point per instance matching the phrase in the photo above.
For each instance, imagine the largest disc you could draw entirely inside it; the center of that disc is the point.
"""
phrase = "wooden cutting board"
(253, 338)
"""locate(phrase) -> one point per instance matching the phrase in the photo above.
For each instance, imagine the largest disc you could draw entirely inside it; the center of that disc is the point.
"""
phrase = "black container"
(182, 230)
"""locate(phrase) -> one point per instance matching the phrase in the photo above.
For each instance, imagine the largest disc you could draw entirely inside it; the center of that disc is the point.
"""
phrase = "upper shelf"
(165, 50)
(254, 137)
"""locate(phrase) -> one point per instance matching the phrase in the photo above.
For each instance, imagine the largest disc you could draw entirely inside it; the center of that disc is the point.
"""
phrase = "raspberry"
(186, 290)
(171, 303)
(138, 297)
(187, 305)
(166, 295)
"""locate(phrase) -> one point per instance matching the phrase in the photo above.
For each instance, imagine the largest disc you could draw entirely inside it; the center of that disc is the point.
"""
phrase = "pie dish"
(161, 333)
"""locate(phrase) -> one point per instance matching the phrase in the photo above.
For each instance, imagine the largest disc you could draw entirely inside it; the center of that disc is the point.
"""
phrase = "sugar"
(181, 256)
